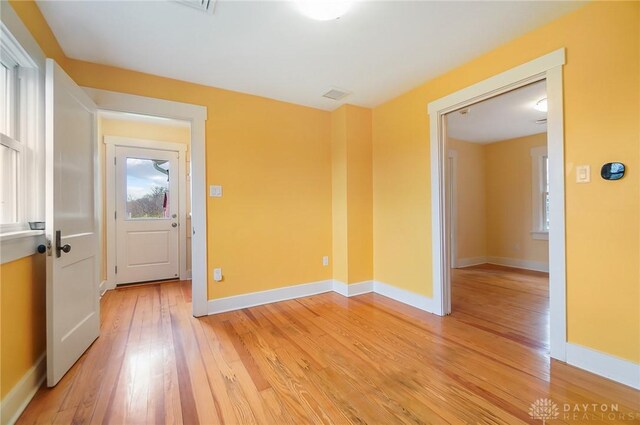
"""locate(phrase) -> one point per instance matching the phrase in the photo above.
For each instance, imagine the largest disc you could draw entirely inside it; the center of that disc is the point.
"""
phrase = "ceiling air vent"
(336, 94)
(202, 5)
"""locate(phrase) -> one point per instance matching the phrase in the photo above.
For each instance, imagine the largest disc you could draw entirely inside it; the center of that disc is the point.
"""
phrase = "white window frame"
(17, 44)
(539, 174)
(23, 127)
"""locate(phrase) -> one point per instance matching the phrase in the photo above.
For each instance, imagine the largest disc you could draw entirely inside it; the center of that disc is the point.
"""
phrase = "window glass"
(8, 185)
(147, 188)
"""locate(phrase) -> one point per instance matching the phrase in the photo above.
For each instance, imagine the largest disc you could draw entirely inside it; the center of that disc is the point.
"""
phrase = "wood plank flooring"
(328, 359)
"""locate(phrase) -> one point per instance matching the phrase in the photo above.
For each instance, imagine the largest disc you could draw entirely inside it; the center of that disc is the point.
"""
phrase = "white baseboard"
(352, 289)
(19, 397)
(468, 262)
(614, 368)
(538, 266)
(253, 299)
(402, 295)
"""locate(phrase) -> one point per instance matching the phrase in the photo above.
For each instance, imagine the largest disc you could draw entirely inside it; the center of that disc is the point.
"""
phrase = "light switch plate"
(583, 174)
(215, 191)
(325, 260)
(217, 275)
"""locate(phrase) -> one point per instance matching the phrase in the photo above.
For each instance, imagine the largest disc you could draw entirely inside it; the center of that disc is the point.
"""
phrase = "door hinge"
(116, 269)
(115, 215)
(114, 160)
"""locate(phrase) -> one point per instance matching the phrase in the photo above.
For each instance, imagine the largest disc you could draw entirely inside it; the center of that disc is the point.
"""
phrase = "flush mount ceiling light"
(323, 10)
(541, 105)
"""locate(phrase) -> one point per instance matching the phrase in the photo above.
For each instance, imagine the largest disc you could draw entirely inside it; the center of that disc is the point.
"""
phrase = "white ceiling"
(503, 117)
(377, 51)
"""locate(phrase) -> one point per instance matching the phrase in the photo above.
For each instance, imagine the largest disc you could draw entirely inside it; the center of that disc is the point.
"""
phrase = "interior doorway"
(147, 200)
(548, 68)
(497, 198)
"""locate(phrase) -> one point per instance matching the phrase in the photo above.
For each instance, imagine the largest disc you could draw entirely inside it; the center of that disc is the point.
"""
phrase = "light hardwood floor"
(327, 359)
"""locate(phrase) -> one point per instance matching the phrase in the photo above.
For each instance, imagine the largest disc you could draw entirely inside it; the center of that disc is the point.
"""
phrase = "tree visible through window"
(147, 188)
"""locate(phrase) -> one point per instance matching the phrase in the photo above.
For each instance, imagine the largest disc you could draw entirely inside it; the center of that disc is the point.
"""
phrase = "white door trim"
(549, 68)
(196, 115)
(453, 202)
(111, 143)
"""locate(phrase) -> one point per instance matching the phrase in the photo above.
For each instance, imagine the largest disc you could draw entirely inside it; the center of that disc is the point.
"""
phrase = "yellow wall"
(273, 225)
(352, 194)
(165, 132)
(471, 192)
(359, 194)
(601, 93)
(340, 252)
(509, 209)
(22, 318)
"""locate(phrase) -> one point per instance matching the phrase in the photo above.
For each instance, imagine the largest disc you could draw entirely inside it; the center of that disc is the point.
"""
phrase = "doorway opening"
(549, 69)
(146, 194)
(497, 197)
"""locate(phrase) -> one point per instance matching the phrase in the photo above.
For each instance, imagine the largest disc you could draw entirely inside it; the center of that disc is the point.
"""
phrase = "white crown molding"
(19, 397)
(611, 367)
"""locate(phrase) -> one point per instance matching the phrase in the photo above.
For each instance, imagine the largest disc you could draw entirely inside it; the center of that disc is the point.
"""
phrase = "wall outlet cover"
(217, 275)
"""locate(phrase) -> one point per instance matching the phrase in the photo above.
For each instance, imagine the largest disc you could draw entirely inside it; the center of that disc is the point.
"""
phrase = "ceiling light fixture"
(541, 105)
(323, 10)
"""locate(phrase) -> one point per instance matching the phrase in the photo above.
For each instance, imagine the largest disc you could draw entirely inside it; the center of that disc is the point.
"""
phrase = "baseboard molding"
(253, 299)
(222, 305)
(611, 367)
(406, 297)
(352, 289)
(538, 266)
(19, 397)
(468, 262)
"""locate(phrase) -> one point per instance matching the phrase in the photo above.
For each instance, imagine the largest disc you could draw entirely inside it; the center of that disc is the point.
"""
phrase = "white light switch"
(325, 261)
(217, 275)
(215, 191)
(583, 174)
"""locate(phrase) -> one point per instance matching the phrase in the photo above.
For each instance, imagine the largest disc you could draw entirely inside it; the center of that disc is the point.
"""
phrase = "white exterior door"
(73, 302)
(147, 225)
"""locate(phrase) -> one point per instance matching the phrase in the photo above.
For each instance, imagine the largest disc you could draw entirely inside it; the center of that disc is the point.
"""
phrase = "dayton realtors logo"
(545, 409)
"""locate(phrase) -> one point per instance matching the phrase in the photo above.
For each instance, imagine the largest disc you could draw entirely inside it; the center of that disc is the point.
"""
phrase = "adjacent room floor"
(325, 359)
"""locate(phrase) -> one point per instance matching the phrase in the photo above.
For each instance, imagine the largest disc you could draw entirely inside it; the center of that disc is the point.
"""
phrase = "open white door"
(73, 304)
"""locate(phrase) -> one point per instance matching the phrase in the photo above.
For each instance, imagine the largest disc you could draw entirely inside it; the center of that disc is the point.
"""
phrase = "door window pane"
(147, 188)
(8, 185)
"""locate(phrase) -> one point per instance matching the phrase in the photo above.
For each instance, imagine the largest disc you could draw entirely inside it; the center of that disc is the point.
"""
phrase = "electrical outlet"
(215, 191)
(325, 260)
(217, 275)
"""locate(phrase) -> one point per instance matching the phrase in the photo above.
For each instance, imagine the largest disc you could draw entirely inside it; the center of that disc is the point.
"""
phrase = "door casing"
(549, 68)
(196, 115)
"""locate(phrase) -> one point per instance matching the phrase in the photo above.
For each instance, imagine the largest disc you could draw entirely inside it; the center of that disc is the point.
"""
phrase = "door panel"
(146, 214)
(73, 306)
